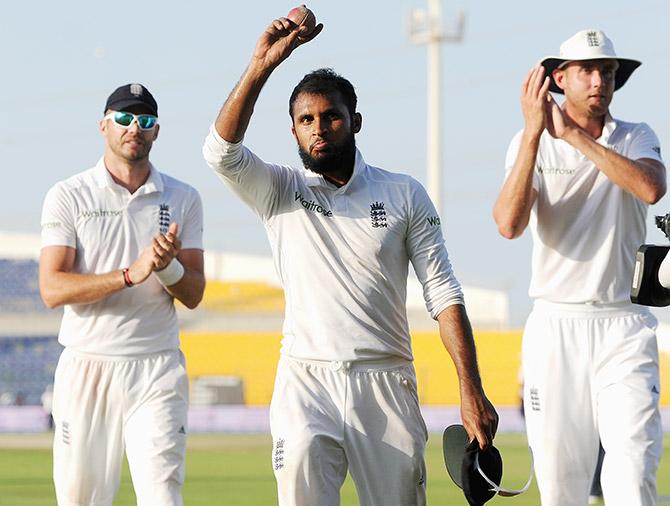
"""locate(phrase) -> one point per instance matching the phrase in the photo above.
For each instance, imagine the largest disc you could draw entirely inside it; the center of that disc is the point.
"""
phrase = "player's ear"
(156, 129)
(102, 125)
(559, 78)
(293, 132)
(356, 122)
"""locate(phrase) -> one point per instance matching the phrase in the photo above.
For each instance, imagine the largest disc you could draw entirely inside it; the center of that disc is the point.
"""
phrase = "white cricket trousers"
(327, 417)
(592, 372)
(104, 404)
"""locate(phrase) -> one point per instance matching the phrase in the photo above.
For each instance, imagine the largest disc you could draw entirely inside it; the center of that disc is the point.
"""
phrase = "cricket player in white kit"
(120, 242)
(343, 233)
(583, 181)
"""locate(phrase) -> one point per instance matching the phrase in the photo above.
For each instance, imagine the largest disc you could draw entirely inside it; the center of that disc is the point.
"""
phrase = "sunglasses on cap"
(126, 119)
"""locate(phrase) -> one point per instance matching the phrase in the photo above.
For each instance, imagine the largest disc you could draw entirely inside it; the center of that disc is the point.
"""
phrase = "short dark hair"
(325, 81)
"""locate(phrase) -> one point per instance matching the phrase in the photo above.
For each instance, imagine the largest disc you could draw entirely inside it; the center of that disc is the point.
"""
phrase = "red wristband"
(126, 278)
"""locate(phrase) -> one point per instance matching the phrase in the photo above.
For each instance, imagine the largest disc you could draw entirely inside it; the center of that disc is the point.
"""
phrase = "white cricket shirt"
(109, 228)
(585, 228)
(342, 254)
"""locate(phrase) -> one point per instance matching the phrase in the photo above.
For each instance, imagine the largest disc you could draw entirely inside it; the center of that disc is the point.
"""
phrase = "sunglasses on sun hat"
(478, 473)
(126, 119)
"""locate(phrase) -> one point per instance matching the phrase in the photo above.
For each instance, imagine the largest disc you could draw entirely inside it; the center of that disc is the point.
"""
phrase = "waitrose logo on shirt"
(99, 213)
(310, 205)
(555, 171)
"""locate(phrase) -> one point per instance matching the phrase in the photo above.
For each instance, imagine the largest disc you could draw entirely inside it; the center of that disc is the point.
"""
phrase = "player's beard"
(341, 157)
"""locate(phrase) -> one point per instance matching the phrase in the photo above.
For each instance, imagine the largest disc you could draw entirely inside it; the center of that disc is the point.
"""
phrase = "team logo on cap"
(136, 89)
(592, 39)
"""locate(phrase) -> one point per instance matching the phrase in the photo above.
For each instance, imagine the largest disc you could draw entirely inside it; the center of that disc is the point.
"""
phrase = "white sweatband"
(171, 274)
(664, 272)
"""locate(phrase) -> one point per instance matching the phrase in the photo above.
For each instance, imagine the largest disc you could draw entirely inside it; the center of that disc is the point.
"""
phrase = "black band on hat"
(624, 70)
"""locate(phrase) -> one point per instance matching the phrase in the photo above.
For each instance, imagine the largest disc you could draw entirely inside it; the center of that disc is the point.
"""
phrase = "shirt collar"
(313, 179)
(609, 126)
(103, 178)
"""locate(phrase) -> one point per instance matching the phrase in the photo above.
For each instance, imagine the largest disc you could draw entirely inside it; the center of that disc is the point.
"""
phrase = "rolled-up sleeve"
(428, 254)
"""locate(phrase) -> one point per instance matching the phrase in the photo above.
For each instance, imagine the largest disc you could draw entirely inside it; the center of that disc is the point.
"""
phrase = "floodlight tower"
(425, 27)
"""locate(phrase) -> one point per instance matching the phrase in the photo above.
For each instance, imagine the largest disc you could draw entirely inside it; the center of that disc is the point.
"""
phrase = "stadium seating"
(27, 366)
(27, 363)
(20, 288)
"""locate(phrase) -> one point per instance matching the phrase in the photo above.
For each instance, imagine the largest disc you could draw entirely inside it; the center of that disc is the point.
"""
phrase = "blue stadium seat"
(20, 287)
(27, 366)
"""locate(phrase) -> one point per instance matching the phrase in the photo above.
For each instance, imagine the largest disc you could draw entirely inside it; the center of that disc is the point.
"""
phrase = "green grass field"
(234, 469)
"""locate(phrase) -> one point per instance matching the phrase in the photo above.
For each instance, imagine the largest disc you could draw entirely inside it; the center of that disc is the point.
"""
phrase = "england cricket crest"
(378, 215)
(164, 218)
(136, 89)
(592, 39)
(278, 454)
(535, 399)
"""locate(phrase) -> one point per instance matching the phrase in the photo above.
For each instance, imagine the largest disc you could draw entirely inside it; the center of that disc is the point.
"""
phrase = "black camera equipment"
(646, 289)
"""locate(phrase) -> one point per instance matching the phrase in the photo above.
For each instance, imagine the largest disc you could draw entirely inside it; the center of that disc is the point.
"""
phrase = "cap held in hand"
(478, 472)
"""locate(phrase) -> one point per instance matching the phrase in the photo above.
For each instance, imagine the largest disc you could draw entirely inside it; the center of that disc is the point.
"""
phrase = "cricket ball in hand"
(301, 15)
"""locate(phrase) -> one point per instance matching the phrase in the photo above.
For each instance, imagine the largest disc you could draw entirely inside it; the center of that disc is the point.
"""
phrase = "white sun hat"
(589, 45)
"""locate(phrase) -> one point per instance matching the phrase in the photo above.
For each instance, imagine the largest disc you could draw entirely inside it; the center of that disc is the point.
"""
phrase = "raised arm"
(276, 44)
(644, 178)
(517, 196)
